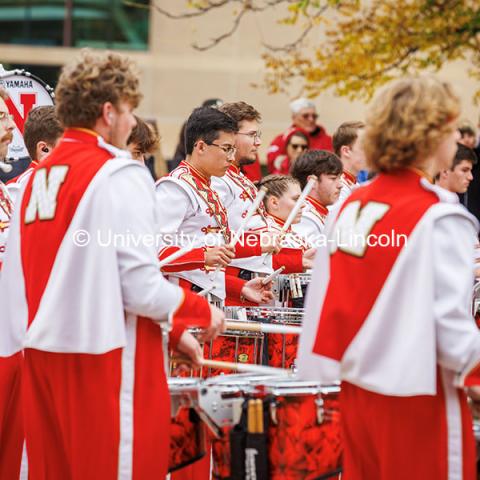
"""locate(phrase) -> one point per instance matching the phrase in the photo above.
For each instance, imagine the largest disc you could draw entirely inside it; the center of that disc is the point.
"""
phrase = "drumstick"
(247, 368)
(270, 277)
(262, 327)
(298, 204)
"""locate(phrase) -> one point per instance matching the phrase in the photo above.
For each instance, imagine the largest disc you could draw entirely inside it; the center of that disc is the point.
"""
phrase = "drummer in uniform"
(327, 167)
(191, 211)
(347, 146)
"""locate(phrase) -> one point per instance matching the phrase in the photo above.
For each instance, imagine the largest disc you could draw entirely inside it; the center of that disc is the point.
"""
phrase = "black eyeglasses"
(297, 146)
(253, 135)
(228, 149)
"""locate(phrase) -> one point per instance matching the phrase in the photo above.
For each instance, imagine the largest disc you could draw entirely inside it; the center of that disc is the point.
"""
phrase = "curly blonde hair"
(407, 121)
(90, 81)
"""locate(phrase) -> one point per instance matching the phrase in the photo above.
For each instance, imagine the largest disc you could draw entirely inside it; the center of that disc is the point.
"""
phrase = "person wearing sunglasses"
(304, 117)
(297, 142)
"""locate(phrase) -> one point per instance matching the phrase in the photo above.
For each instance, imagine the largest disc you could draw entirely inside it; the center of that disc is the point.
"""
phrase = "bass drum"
(26, 91)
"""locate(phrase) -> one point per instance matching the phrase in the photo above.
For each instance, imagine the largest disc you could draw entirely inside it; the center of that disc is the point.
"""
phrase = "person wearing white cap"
(304, 117)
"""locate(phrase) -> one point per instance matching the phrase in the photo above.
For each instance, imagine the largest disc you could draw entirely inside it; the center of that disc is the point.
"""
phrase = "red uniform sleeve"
(194, 311)
(249, 247)
(290, 258)
(233, 287)
(189, 261)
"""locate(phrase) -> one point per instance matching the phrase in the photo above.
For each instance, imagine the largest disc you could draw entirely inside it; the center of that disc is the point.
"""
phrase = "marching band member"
(238, 193)
(404, 344)
(41, 133)
(347, 145)
(283, 192)
(94, 391)
(191, 211)
(328, 169)
(11, 434)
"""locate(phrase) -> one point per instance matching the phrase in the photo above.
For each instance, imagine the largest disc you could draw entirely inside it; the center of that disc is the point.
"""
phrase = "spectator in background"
(468, 136)
(304, 117)
(297, 142)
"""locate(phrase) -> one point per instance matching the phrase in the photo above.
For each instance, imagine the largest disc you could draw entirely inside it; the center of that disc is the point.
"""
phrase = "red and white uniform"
(404, 340)
(238, 193)
(312, 223)
(6, 210)
(190, 211)
(80, 275)
(15, 185)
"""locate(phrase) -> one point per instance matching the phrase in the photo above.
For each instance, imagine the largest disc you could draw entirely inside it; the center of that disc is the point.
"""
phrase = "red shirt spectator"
(304, 116)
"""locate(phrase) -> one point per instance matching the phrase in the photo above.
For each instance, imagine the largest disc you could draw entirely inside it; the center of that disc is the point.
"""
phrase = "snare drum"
(304, 438)
(281, 348)
(187, 434)
(231, 346)
(290, 290)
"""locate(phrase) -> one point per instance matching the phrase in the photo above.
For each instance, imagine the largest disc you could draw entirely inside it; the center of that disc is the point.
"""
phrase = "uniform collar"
(195, 172)
(234, 169)
(322, 209)
(350, 176)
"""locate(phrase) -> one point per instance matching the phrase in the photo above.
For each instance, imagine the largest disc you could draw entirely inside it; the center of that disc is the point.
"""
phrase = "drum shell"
(281, 349)
(187, 431)
(302, 445)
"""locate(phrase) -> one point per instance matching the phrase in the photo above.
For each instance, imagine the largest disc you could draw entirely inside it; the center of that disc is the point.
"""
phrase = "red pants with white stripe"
(11, 428)
(84, 418)
(400, 438)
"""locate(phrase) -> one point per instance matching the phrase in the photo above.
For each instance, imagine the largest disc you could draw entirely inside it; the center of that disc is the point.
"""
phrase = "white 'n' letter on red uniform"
(80, 272)
(392, 321)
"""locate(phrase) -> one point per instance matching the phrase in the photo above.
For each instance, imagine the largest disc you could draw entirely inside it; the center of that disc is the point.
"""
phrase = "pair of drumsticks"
(255, 416)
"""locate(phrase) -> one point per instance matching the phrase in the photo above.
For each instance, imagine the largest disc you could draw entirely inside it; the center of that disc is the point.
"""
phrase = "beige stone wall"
(176, 78)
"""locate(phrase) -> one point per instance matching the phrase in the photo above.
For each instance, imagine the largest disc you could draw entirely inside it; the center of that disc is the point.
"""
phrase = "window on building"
(75, 23)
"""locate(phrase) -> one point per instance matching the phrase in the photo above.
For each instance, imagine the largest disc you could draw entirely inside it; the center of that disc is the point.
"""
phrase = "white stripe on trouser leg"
(125, 449)
(24, 464)
(454, 427)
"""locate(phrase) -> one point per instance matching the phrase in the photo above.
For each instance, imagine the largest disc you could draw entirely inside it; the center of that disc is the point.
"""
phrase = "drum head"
(26, 91)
